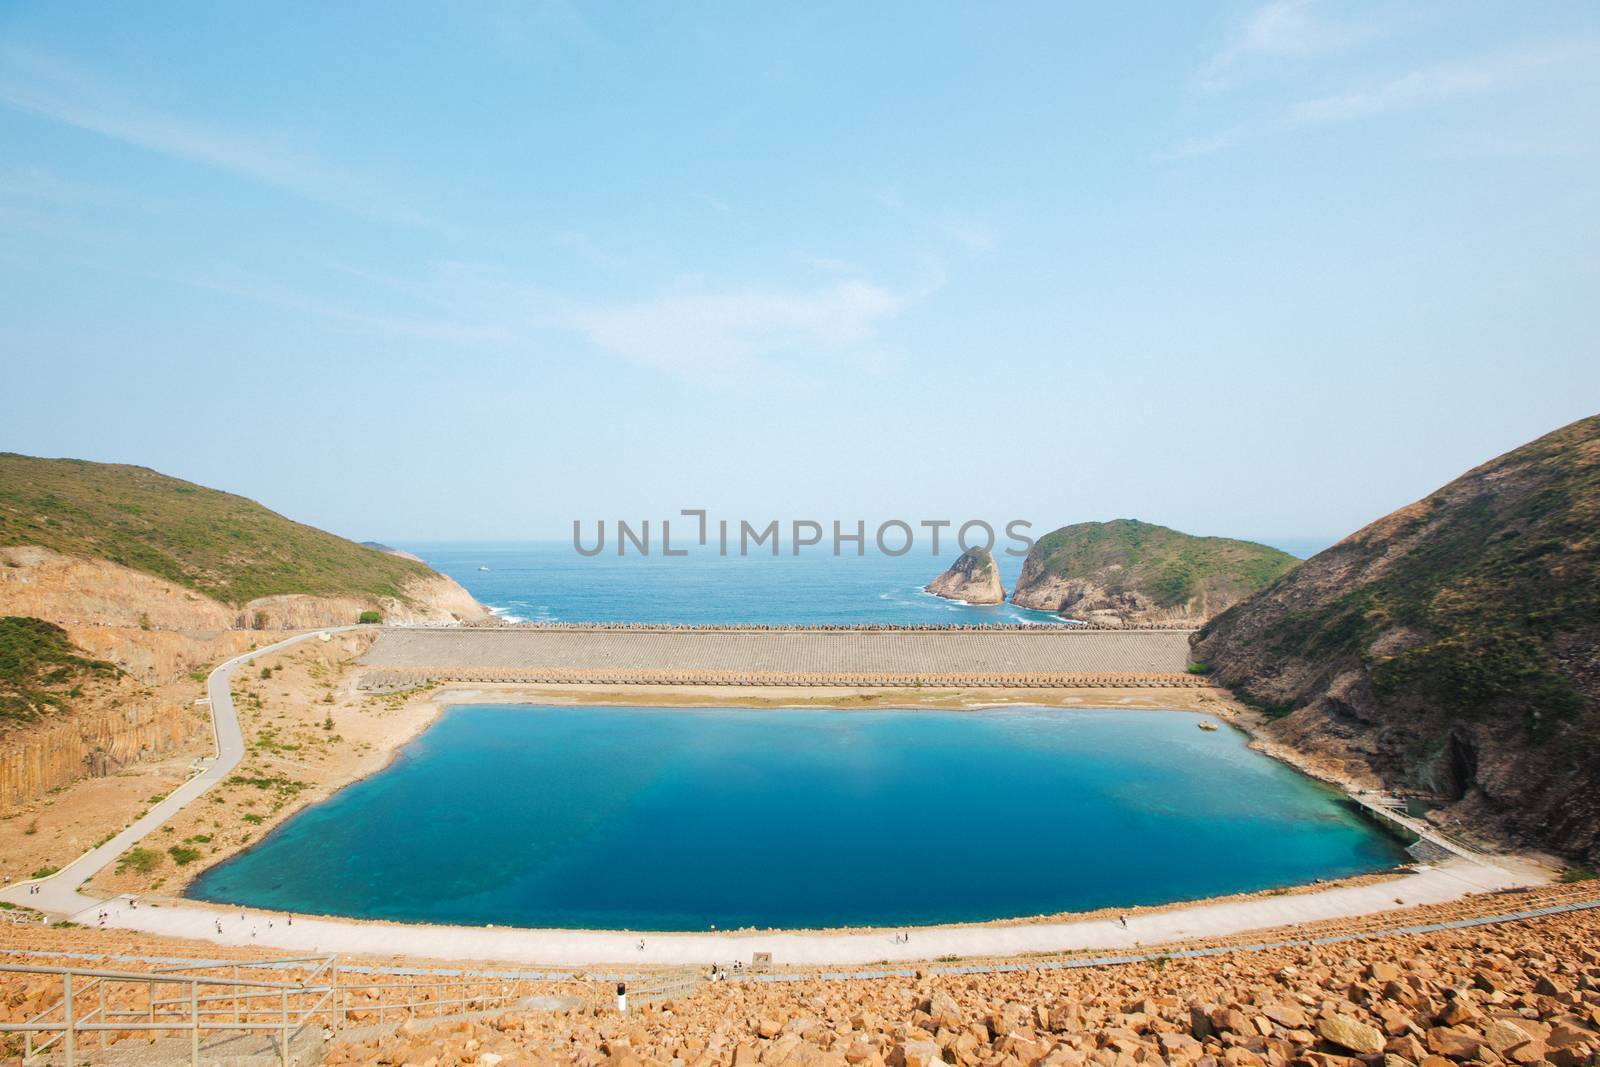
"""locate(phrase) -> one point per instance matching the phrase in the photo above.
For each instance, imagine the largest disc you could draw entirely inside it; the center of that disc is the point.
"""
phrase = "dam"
(1022, 657)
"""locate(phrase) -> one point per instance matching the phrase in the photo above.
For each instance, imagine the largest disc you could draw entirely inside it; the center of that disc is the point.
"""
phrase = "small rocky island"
(972, 578)
(1130, 572)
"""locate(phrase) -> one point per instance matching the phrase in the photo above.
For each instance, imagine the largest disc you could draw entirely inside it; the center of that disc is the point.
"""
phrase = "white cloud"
(38, 85)
(1282, 29)
(701, 331)
(1442, 83)
(1431, 86)
(832, 265)
(691, 330)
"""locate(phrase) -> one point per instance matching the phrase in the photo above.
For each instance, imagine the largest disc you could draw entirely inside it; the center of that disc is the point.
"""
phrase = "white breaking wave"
(506, 613)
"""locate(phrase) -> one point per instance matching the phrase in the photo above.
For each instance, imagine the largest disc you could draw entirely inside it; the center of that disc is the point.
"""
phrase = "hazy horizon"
(1274, 267)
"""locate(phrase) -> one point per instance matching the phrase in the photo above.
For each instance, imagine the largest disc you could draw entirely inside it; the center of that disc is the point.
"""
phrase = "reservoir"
(678, 819)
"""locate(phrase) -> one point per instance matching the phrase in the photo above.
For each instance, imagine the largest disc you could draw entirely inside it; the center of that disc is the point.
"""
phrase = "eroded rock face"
(93, 743)
(74, 591)
(973, 578)
(435, 599)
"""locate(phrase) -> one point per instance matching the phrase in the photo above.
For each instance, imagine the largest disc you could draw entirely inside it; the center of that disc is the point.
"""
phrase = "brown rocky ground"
(1523, 992)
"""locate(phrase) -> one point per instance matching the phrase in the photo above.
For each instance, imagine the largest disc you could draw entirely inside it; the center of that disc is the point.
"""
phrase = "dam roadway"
(403, 657)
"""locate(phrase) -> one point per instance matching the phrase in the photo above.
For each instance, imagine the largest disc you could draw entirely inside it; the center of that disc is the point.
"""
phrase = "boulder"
(1503, 1033)
(1347, 1033)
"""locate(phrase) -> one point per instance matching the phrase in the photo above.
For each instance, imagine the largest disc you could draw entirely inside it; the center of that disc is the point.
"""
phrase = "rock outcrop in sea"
(972, 578)
(1126, 571)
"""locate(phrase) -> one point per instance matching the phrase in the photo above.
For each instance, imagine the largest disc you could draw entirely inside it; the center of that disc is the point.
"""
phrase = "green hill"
(224, 546)
(1453, 646)
(1138, 571)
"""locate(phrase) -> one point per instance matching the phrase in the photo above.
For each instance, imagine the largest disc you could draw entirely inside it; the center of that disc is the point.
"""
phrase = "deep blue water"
(667, 819)
(549, 582)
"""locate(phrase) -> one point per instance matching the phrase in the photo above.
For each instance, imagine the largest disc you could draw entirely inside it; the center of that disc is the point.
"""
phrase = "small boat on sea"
(1208, 726)
(482, 567)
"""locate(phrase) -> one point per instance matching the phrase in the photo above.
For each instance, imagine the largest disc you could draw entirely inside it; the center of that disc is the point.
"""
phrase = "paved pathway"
(1450, 880)
(58, 894)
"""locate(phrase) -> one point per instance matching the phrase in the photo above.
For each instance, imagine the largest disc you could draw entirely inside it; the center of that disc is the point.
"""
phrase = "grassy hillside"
(1126, 557)
(40, 668)
(1457, 640)
(215, 543)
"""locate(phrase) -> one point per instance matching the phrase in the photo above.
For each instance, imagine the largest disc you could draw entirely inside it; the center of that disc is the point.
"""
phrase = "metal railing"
(192, 1000)
(666, 985)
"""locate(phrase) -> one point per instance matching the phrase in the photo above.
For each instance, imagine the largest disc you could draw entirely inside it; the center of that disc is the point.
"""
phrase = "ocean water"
(549, 582)
(676, 819)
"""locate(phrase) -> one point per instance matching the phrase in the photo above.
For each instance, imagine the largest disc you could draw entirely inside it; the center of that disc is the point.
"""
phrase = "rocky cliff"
(93, 742)
(95, 592)
(1451, 647)
(157, 580)
(67, 711)
(1126, 571)
(972, 578)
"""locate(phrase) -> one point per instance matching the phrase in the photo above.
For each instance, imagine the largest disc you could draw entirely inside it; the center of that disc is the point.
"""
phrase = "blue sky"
(439, 271)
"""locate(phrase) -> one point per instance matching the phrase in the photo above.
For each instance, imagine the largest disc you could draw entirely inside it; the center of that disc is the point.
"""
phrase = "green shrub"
(143, 860)
(367, 617)
(38, 660)
(181, 855)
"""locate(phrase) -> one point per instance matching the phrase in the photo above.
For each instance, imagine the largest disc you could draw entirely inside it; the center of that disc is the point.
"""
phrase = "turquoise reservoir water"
(658, 819)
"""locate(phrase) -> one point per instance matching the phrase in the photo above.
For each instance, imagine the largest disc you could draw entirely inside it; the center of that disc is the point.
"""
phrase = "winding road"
(58, 894)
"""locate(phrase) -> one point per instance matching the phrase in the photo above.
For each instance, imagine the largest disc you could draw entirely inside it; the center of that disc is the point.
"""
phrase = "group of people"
(288, 920)
(105, 913)
(719, 973)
